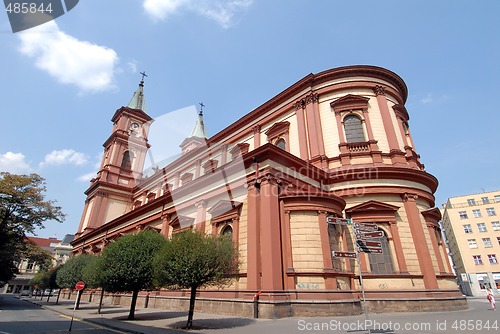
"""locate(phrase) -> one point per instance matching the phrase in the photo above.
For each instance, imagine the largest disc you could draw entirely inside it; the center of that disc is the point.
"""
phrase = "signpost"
(366, 235)
(350, 255)
(79, 286)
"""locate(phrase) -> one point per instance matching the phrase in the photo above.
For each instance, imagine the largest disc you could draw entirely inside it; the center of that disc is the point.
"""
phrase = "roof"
(43, 242)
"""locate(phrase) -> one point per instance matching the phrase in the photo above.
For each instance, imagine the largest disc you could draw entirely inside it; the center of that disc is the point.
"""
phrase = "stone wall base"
(296, 308)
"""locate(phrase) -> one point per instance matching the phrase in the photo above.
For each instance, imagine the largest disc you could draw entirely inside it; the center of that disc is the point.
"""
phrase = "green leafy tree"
(191, 260)
(126, 264)
(23, 209)
(93, 277)
(71, 272)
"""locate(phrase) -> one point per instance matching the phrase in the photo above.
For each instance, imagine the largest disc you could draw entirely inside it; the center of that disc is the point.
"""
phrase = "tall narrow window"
(382, 263)
(281, 143)
(128, 157)
(353, 129)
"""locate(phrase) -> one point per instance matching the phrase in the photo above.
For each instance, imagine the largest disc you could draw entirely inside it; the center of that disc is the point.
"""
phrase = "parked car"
(25, 293)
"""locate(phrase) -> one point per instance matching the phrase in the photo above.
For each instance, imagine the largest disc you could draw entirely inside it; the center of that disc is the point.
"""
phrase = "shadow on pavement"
(225, 323)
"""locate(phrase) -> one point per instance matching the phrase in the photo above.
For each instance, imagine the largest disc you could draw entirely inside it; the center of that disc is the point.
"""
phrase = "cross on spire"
(143, 73)
(201, 108)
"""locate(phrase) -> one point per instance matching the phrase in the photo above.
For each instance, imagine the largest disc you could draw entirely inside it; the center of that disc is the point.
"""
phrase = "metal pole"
(74, 308)
(360, 274)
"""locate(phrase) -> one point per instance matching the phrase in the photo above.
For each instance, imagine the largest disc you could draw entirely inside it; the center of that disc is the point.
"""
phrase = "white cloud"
(427, 99)
(14, 163)
(87, 177)
(64, 157)
(88, 66)
(221, 11)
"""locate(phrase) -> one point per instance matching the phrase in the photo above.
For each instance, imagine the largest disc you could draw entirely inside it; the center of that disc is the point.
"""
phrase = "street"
(19, 316)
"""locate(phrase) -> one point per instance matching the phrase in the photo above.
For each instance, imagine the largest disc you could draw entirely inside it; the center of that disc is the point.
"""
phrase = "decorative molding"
(239, 149)
(350, 102)
(302, 103)
(379, 90)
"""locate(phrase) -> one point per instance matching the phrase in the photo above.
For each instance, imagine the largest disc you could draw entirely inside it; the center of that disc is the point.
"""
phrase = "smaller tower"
(198, 136)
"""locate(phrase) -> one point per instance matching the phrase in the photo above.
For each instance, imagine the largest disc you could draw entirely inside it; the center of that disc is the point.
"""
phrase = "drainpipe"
(256, 304)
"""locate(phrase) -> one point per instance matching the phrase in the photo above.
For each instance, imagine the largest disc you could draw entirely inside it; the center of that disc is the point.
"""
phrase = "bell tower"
(110, 192)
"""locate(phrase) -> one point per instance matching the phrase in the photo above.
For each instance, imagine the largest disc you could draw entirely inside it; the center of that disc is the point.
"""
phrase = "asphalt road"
(19, 316)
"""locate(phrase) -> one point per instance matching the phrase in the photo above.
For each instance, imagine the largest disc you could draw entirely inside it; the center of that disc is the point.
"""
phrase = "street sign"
(367, 243)
(350, 255)
(80, 286)
(337, 220)
(369, 235)
(370, 250)
(365, 226)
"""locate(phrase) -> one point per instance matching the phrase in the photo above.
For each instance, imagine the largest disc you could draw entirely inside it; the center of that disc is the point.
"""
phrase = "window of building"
(477, 259)
(463, 214)
(495, 225)
(476, 213)
(382, 263)
(497, 198)
(491, 211)
(281, 143)
(472, 243)
(492, 258)
(30, 266)
(487, 242)
(228, 230)
(128, 157)
(485, 200)
(481, 227)
(353, 129)
(471, 201)
(498, 239)
(467, 228)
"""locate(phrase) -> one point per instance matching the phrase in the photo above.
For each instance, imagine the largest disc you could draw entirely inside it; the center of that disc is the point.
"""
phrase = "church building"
(316, 186)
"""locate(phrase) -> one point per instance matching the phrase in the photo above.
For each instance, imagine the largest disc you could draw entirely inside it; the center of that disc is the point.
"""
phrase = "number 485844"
(28, 7)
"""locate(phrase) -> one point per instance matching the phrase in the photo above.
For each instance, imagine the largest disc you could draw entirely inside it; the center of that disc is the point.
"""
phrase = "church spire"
(138, 101)
(199, 128)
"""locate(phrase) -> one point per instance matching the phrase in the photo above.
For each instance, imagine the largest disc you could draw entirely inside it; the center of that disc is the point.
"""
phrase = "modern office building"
(472, 227)
(334, 144)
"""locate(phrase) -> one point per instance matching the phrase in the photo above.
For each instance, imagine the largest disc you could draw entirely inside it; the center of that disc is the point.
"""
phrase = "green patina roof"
(138, 101)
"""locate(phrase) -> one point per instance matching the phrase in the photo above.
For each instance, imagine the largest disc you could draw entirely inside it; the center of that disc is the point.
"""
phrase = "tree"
(126, 264)
(23, 208)
(71, 272)
(191, 260)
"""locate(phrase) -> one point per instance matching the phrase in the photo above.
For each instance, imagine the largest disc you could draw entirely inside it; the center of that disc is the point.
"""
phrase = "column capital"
(311, 98)
(256, 128)
(409, 197)
(201, 203)
(379, 90)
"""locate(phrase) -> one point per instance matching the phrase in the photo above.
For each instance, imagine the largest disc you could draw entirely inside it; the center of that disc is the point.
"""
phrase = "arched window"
(128, 157)
(280, 143)
(353, 129)
(382, 263)
(228, 230)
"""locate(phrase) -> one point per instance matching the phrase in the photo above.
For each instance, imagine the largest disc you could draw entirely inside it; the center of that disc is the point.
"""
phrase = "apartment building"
(472, 227)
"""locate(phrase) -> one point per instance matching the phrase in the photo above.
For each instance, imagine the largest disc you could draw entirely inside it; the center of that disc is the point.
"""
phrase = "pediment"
(372, 206)
(181, 221)
(432, 215)
(350, 102)
(278, 129)
(223, 207)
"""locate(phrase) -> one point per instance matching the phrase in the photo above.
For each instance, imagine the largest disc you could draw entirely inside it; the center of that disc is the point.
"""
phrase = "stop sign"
(80, 285)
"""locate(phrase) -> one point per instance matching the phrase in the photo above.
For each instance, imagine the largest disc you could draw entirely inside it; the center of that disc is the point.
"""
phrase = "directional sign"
(351, 255)
(368, 235)
(365, 227)
(370, 250)
(337, 220)
(366, 243)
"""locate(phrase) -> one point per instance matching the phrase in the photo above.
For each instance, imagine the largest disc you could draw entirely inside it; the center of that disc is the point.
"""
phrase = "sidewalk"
(154, 321)
(147, 321)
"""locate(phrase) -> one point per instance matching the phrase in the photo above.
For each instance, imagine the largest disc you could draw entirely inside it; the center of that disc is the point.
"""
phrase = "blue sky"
(61, 82)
